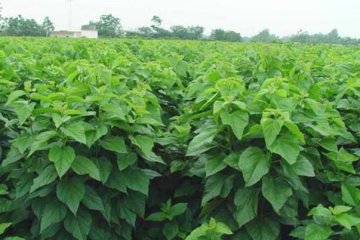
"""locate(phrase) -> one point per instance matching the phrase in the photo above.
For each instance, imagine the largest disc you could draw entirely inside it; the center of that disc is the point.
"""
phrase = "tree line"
(110, 26)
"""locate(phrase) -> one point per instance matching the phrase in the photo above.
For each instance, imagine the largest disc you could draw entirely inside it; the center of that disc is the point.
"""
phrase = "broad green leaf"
(216, 186)
(23, 142)
(94, 135)
(303, 167)
(4, 226)
(232, 160)
(114, 144)
(254, 164)
(350, 195)
(126, 160)
(104, 166)
(15, 95)
(54, 212)
(75, 131)
(23, 110)
(276, 191)
(346, 220)
(214, 164)
(71, 192)
(237, 120)
(271, 129)
(92, 200)
(82, 165)
(263, 229)
(317, 232)
(58, 120)
(170, 230)
(145, 143)
(157, 217)
(246, 202)
(62, 157)
(79, 226)
(339, 209)
(202, 142)
(178, 209)
(137, 180)
(294, 129)
(47, 176)
(287, 146)
(329, 144)
(3, 189)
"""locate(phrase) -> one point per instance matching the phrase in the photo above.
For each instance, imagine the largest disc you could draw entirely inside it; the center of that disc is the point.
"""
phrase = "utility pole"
(70, 14)
(1, 8)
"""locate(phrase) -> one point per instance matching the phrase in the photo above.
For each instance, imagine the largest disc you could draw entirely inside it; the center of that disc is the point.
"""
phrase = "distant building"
(87, 31)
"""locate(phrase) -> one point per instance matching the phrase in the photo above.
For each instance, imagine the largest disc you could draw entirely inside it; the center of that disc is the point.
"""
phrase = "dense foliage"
(126, 140)
(20, 26)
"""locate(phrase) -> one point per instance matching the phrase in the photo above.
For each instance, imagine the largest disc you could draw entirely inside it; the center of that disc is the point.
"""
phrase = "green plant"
(135, 139)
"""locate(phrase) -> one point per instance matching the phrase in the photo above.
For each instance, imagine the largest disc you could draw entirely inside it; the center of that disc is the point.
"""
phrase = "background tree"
(264, 36)
(108, 26)
(222, 35)
(48, 26)
(19, 26)
(159, 32)
(156, 20)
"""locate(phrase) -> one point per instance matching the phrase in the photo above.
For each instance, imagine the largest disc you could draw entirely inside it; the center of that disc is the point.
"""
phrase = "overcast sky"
(282, 17)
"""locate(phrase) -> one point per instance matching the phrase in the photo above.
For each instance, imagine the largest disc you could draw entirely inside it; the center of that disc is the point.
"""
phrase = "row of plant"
(129, 139)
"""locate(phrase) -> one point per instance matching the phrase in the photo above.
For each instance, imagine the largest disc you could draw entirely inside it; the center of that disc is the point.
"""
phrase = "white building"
(86, 31)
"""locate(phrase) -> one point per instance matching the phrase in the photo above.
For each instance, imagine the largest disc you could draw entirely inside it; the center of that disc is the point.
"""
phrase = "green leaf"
(137, 180)
(232, 160)
(170, 230)
(54, 212)
(83, 165)
(303, 167)
(254, 164)
(271, 129)
(276, 191)
(202, 142)
(317, 232)
(287, 146)
(92, 200)
(62, 157)
(246, 202)
(237, 120)
(75, 131)
(47, 176)
(223, 229)
(114, 144)
(3, 189)
(216, 186)
(23, 110)
(4, 226)
(94, 135)
(78, 226)
(15, 95)
(294, 129)
(71, 192)
(126, 160)
(339, 209)
(263, 229)
(145, 143)
(178, 209)
(157, 217)
(214, 164)
(105, 167)
(347, 220)
(350, 195)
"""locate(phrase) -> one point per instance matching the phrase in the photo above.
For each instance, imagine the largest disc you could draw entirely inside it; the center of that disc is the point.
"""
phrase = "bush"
(134, 139)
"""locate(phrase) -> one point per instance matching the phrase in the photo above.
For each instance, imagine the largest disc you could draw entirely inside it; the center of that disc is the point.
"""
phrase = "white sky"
(282, 17)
